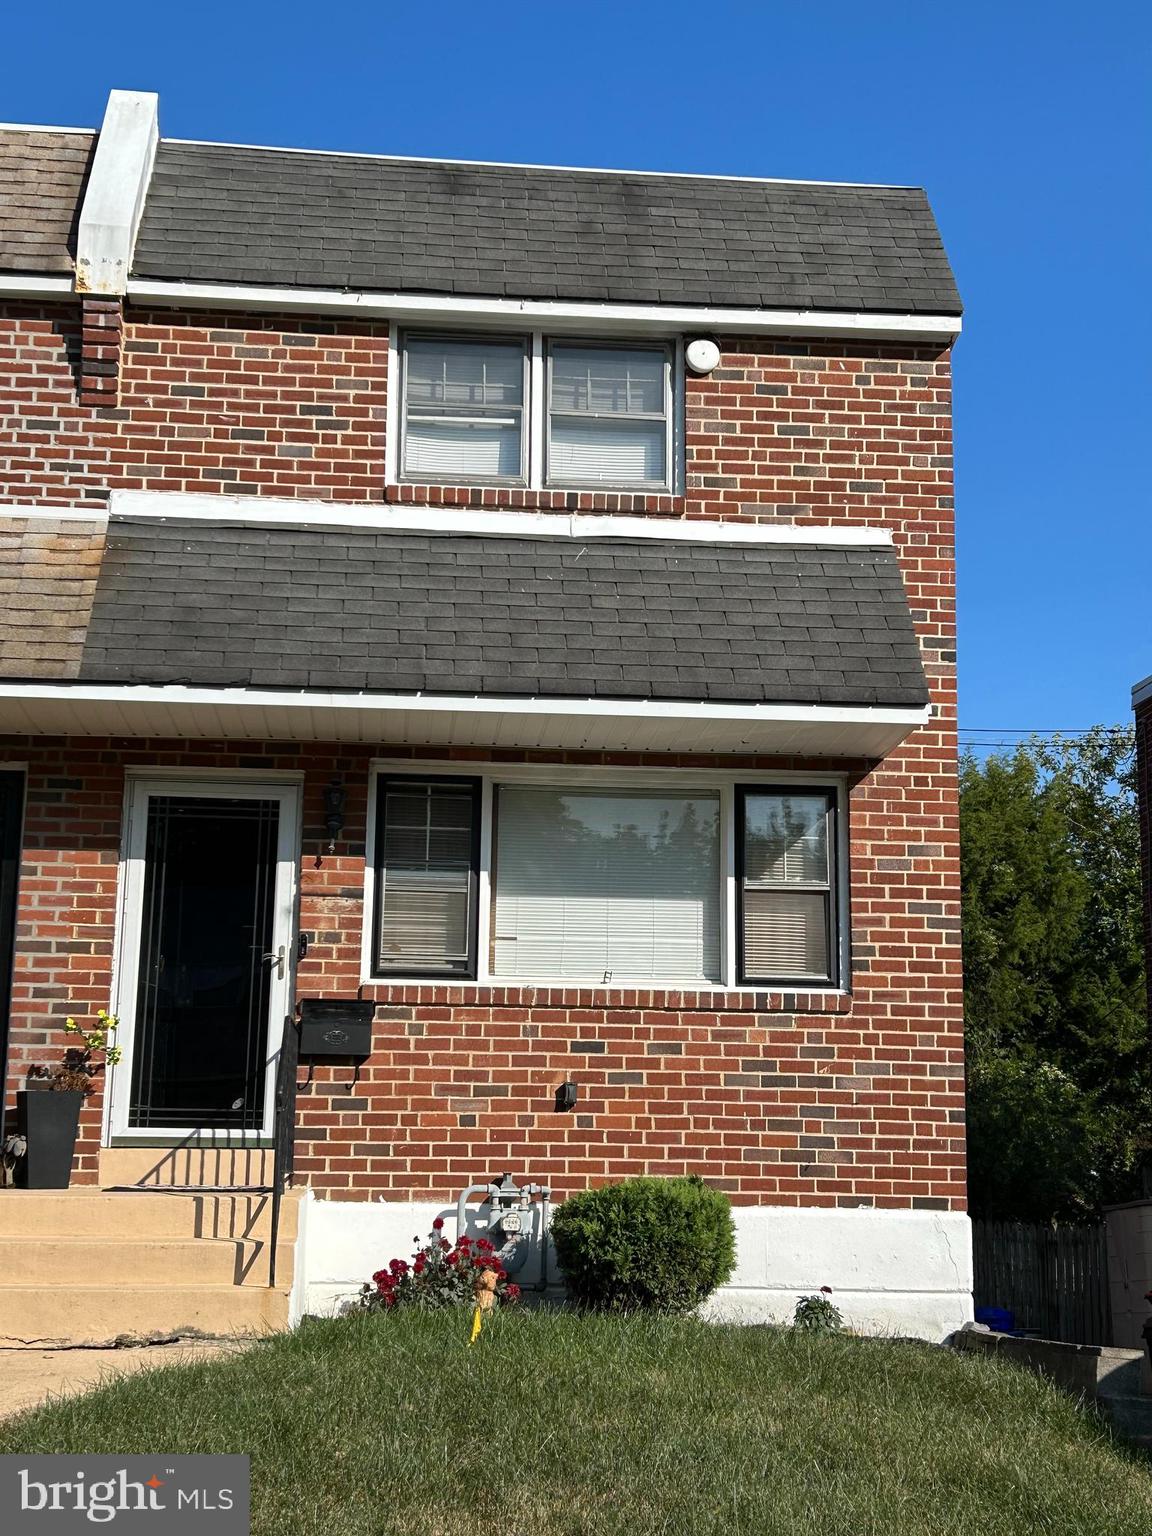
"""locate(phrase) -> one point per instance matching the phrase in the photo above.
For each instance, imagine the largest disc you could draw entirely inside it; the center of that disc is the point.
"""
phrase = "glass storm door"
(207, 959)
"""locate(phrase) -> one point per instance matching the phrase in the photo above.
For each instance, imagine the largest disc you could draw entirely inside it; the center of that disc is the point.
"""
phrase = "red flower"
(438, 1224)
(445, 1245)
(511, 1292)
(826, 1290)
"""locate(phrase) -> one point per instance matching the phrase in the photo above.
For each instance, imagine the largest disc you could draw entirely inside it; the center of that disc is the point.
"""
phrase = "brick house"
(518, 598)
(1142, 704)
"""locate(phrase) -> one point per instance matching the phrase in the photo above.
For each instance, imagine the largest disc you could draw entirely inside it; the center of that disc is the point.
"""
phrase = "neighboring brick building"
(1142, 704)
(534, 587)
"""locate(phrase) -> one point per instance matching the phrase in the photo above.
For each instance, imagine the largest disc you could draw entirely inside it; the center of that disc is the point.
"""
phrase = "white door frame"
(139, 790)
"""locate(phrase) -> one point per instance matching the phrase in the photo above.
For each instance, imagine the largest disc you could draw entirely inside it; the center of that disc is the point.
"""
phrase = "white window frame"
(561, 776)
(535, 412)
(142, 782)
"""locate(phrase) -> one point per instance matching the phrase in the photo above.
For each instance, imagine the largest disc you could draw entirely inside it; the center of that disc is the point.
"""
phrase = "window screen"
(606, 886)
(608, 416)
(426, 877)
(787, 910)
(463, 409)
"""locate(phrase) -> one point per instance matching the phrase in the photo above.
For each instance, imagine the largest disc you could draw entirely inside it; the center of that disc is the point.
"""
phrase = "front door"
(206, 958)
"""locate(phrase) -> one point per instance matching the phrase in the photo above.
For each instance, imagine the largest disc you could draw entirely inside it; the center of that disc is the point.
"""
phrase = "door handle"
(276, 958)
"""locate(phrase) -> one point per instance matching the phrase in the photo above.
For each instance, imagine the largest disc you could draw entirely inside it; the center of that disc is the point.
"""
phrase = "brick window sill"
(473, 994)
(520, 498)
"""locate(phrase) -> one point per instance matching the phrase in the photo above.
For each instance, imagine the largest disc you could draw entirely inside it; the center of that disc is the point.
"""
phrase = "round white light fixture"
(702, 355)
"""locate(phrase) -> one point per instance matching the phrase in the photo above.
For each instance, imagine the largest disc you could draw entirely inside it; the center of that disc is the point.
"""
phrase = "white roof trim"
(117, 186)
(45, 128)
(386, 720)
(649, 319)
(482, 704)
(523, 525)
(33, 286)
(1142, 691)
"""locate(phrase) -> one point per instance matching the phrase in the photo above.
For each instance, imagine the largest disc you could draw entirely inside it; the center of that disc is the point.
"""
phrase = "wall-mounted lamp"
(566, 1096)
(334, 797)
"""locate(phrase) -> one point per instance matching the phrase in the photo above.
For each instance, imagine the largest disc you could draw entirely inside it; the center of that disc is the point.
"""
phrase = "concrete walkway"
(30, 1376)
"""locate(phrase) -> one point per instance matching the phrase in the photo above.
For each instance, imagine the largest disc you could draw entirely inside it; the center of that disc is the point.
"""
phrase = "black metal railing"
(283, 1132)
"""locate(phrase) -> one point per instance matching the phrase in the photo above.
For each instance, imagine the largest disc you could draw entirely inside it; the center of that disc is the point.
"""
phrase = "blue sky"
(1027, 122)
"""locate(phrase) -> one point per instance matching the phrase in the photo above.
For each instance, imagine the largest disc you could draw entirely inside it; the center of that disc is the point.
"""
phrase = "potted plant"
(49, 1108)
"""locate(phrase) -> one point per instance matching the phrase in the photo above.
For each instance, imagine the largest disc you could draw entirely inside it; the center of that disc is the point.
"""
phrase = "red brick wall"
(782, 1100)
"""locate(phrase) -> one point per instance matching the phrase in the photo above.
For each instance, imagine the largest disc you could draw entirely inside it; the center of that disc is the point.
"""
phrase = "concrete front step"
(111, 1214)
(89, 1266)
(189, 1163)
(35, 1317)
(72, 1261)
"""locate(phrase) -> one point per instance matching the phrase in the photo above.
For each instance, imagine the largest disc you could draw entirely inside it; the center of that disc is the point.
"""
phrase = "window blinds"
(464, 406)
(606, 886)
(608, 415)
(426, 876)
(786, 891)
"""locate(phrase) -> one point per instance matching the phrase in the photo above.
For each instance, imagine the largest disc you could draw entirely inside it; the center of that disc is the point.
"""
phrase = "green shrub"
(661, 1245)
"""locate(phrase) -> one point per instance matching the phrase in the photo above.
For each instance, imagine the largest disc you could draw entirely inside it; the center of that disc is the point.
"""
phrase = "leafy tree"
(1059, 1056)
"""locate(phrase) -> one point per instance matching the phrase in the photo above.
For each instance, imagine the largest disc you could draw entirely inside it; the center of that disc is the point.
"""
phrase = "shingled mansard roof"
(221, 214)
(43, 173)
(236, 215)
(407, 611)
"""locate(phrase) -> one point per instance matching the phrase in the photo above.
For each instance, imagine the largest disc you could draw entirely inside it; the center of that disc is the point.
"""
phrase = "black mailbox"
(333, 1026)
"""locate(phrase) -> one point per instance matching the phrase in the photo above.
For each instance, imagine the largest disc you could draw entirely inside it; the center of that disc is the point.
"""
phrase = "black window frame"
(837, 916)
(380, 794)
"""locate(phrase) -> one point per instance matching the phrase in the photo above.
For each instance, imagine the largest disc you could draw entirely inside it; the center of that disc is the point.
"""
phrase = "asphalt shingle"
(228, 214)
(408, 611)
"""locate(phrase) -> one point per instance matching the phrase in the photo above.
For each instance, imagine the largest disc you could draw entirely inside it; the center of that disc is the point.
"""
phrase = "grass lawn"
(559, 1425)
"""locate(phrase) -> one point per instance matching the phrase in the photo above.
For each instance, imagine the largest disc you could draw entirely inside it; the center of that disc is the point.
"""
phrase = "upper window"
(602, 417)
(608, 416)
(463, 409)
(607, 885)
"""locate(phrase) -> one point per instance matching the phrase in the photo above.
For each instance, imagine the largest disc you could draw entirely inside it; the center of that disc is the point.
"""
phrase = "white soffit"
(114, 198)
(390, 720)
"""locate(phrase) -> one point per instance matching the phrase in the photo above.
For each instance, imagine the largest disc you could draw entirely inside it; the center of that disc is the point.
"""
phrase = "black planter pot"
(50, 1122)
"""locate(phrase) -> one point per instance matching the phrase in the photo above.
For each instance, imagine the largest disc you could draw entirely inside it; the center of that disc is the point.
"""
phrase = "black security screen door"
(206, 963)
(11, 813)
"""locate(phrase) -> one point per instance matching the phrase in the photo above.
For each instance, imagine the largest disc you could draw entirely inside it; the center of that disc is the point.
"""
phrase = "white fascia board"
(114, 198)
(34, 286)
(450, 720)
(1142, 692)
(522, 525)
(639, 319)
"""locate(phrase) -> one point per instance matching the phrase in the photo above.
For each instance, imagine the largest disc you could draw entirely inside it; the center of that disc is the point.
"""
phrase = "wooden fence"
(1055, 1279)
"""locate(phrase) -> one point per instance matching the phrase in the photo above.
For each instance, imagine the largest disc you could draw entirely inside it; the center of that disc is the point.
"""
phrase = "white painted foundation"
(894, 1272)
(1129, 1229)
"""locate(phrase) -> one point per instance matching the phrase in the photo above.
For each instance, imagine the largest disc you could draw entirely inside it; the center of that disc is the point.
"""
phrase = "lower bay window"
(518, 879)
